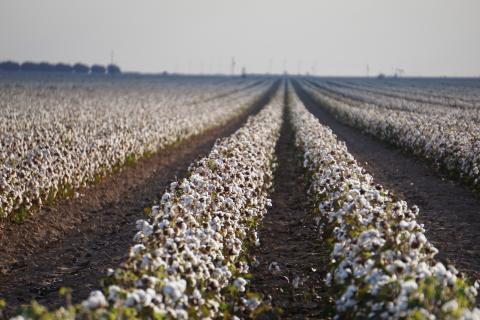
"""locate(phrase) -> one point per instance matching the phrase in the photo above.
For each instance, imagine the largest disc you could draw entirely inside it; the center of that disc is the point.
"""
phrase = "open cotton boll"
(95, 300)
(240, 283)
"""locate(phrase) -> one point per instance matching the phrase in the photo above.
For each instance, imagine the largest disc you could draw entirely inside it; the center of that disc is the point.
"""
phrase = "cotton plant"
(410, 92)
(189, 259)
(381, 263)
(57, 139)
(447, 135)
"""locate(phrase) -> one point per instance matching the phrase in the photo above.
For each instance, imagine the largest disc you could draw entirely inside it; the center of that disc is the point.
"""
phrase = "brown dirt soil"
(288, 237)
(450, 212)
(72, 243)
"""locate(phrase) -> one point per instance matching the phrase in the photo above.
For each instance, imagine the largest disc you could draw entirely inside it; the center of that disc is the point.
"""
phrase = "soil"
(449, 210)
(74, 242)
(289, 239)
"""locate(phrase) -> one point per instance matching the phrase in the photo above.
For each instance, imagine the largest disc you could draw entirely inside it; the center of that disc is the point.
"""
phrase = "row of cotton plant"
(401, 102)
(56, 140)
(190, 259)
(382, 265)
(450, 138)
(456, 94)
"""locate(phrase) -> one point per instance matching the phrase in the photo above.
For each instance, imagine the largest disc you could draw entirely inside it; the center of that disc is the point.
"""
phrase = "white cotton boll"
(252, 303)
(137, 248)
(144, 298)
(214, 304)
(186, 187)
(473, 314)
(196, 294)
(296, 282)
(440, 270)
(133, 299)
(175, 289)
(404, 224)
(328, 279)
(146, 261)
(257, 240)
(450, 306)
(421, 238)
(337, 248)
(147, 229)
(113, 292)
(155, 211)
(362, 201)
(173, 185)
(181, 314)
(240, 283)
(187, 200)
(166, 197)
(95, 300)
(346, 300)
(163, 224)
(409, 286)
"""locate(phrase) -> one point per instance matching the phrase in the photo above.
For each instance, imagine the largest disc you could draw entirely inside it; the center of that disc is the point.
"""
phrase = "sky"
(321, 37)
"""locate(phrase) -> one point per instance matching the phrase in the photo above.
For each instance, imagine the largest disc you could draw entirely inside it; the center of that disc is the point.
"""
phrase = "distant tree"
(98, 69)
(29, 66)
(45, 67)
(80, 68)
(9, 66)
(113, 69)
(381, 76)
(62, 67)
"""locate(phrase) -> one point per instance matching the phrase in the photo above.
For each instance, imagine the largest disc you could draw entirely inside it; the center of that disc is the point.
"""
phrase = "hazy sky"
(334, 37)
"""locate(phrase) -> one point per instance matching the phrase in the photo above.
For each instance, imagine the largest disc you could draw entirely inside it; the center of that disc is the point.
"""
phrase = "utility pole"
(112, 53)
(368, 71)
(232, 66)
(399, 72)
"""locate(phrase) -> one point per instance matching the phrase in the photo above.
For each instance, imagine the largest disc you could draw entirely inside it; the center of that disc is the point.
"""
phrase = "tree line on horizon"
(78, 68)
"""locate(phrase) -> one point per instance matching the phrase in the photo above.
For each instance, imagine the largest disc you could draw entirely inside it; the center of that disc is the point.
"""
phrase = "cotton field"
(58, 138)
(444, 129)
(209, 246)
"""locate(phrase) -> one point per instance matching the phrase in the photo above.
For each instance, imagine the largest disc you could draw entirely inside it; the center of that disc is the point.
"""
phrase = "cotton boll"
(95, 300)
(175, 289)
(240, 283)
